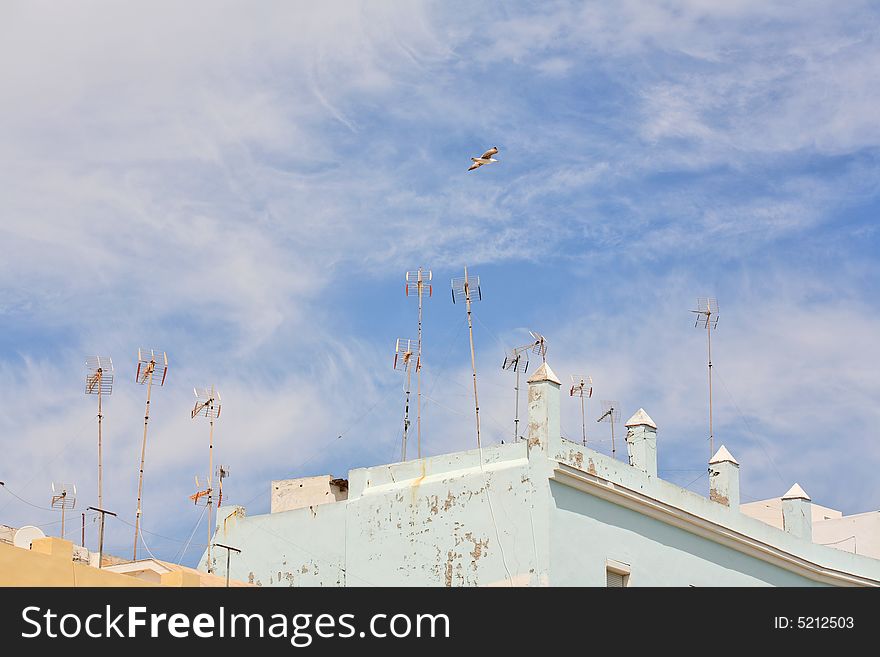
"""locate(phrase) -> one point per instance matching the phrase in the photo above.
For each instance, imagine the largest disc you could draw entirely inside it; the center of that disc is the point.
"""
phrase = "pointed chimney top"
(723, 456)
(796, 493)
(544, 373)
(640, 418)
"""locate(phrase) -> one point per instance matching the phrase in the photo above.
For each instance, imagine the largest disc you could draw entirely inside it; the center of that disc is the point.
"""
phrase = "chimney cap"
(723, 456)
(544, 373)
(640, 418)
(796, 493)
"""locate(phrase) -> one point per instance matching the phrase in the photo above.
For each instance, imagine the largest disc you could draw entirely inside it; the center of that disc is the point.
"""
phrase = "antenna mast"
(229, 550)
(518, 361)
(63, 497)
(208, 405)
(151, 364)
(461, 289)
(103, 512)
(99, 381)
(582, 386)
(707, 318)
(611, 415)
(416, 283)
(403, 360)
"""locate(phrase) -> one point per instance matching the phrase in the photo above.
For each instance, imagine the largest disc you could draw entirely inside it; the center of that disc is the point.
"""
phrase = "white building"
(543, 511)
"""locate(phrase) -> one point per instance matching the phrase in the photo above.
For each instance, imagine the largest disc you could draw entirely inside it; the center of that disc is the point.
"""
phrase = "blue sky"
(245, 185)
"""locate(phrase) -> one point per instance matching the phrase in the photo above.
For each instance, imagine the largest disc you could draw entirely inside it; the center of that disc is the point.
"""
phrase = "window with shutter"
(615, 580)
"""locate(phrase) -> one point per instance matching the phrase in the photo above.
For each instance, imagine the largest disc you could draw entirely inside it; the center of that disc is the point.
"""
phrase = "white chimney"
(543, 409)
(641, 442)
(724, 479)
(797, 513)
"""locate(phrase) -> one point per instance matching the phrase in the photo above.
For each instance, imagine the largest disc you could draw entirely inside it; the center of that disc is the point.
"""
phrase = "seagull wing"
(489, 153)
(475, 165)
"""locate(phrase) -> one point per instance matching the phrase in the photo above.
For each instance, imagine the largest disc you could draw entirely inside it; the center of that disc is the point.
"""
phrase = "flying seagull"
(485, 158)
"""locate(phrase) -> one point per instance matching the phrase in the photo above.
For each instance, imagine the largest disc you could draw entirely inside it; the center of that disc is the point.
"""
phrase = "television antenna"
(517, 360)
(99, 381)
(404, 359)
(611, 414)
(463, 288)
(207, 405)
(539, 346)
(582, 386)
(707, 318)
(152, 365)
(416, 283)
(63, 498)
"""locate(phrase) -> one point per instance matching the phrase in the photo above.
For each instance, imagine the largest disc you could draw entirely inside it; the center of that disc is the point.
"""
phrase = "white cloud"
(207, 178)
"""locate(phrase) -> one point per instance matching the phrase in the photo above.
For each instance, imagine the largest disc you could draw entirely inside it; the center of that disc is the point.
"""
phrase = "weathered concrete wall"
(289, 494)
(450, 523)
(511, 516)
(453, 520)
(304, 547)
(545, 511)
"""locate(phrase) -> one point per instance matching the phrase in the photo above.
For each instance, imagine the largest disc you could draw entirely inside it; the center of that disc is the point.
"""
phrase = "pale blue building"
(541, 512)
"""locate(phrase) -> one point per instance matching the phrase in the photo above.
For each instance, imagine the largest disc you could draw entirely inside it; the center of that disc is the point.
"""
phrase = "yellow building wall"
(50, 563)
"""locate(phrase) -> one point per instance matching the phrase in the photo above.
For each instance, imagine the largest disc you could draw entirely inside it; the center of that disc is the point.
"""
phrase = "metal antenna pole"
(517, 359)
(611, 415)
(210, 490)
(583, 422)
(99, 381)
(406, 414)
(100, 467)
(516, 416)
(467, 297)
(229, 550)
(418, 374)
(707, 315)
(403, 360)
(103, 512)
(416, 284)
(148, 362)
(711, 433)
(83, 539)
(137, 515)
(582, 386)
(461, 288)
(207, 404)
(222, 473)
(613, 448)
(63, 497)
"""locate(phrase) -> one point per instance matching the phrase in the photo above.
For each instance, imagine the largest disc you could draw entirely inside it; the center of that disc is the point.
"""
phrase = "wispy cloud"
(244, 186)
